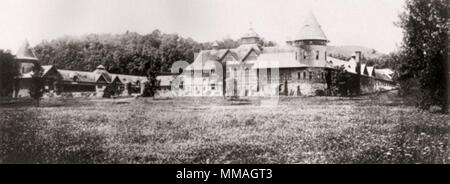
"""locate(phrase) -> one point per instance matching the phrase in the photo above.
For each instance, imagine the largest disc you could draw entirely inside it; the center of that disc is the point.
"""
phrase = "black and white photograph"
(224, 82)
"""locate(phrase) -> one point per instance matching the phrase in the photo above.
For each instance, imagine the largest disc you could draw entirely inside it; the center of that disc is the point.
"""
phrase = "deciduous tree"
(425, 46)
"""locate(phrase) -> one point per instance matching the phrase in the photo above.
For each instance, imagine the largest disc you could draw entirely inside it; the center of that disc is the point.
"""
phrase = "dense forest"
(8, 69)
(128, 53)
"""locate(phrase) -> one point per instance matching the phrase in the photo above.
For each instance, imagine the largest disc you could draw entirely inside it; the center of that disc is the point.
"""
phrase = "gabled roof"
(385, 74)
(129, 78)
(311, 30)
(26, 52)
(350, 66)
(370, 71)
(69, 75)
(363, 69)
(46, 68)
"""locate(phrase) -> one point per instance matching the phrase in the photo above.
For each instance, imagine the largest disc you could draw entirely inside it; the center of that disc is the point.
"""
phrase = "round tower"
(311, 43)
(26, 58)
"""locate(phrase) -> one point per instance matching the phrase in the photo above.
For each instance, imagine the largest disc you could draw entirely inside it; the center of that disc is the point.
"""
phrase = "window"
(317, 55)
(192, 73)
(213, 86)
(257, 80)
(325, 55)
(296, 53)
(213, 71)
(298, 75)
(23, 69)
(205, 74)
(304, 75)
(180, 70)
(181, 85)
(75, 79)
(269, 76)
(310, 75)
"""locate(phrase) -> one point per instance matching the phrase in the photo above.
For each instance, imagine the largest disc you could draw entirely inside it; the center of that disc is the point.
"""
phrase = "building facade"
(70, 82)
(302, 67)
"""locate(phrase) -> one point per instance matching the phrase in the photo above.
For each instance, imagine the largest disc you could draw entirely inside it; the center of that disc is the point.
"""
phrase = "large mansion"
(299, 68)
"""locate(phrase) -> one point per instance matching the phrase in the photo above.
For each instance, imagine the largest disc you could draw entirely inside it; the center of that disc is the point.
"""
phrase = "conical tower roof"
(215, 44)
(311, 30)
(26, 52)
(250, 34)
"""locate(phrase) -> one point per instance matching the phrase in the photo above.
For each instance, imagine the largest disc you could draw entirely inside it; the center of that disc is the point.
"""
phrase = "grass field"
(369, 129)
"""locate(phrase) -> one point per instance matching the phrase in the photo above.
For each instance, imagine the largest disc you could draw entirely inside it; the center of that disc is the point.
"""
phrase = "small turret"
(250, 37)
(100, 69)
(215, 45)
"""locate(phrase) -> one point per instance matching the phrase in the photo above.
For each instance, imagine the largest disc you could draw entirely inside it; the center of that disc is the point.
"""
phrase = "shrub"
(320, 92)
(111, 90)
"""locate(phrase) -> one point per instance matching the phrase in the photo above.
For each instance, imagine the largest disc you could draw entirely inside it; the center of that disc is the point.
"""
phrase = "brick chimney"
(358, 56)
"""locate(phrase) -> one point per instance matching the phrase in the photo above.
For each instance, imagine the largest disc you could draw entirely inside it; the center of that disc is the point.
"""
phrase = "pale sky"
(367, 23)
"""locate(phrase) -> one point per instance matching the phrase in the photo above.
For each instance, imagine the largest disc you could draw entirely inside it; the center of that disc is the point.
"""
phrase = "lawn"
(368, 129)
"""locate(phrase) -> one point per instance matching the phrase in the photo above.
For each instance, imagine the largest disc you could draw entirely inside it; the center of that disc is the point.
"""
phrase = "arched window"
(181, 86)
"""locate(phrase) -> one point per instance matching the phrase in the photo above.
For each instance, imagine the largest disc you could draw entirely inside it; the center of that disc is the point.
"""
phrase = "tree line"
(422, 64)
(8, 70)
(128, 53)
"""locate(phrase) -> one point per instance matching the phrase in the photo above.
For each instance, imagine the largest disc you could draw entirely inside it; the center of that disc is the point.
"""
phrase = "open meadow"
(369, 129)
